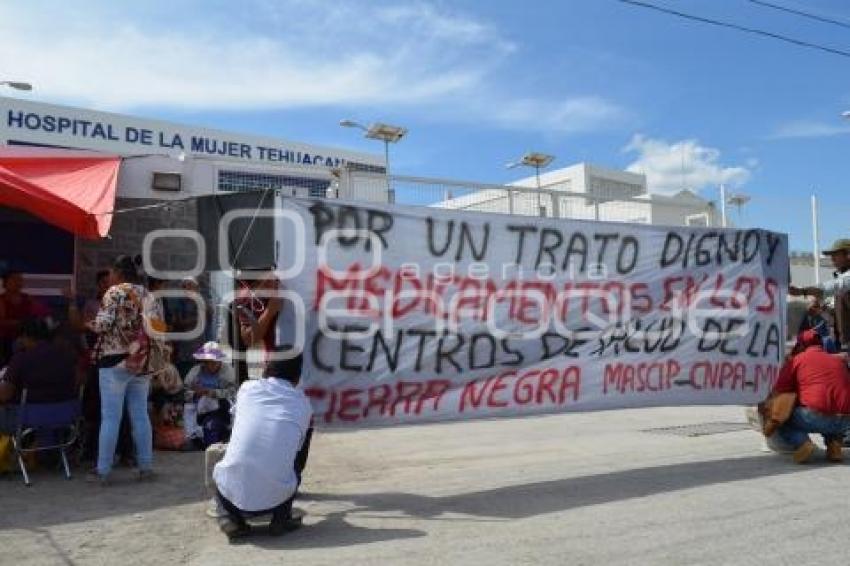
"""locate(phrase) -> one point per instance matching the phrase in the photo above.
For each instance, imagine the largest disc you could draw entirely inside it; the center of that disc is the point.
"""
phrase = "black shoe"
(93, 477)
(146, 475)
(234, 530)
(280, 527)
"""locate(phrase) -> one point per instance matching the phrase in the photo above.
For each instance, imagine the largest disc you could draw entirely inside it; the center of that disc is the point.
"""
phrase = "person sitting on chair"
(258, 472)
(213, 384)
(822, 384)
(47, 369)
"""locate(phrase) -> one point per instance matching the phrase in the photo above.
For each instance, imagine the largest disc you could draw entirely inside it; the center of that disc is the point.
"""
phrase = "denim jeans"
(116, 386)
(803, 420)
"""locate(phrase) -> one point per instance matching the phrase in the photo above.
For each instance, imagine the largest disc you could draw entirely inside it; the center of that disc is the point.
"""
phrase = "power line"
(730, 25)
(801, 13)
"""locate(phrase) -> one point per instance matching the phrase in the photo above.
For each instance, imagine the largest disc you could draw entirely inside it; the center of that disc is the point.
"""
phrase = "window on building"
(700, 219)
(610, 189)
(246, 181)
(355, 167)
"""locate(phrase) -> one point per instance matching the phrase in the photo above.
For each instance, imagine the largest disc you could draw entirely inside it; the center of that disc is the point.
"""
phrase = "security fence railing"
(555, 201)
(809, 226)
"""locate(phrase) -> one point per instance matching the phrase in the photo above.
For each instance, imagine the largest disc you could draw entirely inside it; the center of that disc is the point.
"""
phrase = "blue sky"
(479, 83)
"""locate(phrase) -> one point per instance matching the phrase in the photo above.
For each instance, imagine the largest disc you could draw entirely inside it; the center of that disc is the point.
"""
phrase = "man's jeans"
(116, 385)
(803, 420)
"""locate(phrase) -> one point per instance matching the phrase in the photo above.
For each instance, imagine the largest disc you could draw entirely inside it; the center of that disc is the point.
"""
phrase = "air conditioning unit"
(162, 181)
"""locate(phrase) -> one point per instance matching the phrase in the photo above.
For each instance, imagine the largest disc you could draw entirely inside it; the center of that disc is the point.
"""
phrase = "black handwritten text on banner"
(415, 314)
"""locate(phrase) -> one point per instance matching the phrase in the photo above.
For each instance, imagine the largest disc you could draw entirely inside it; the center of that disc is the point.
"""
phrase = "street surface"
(594, 488)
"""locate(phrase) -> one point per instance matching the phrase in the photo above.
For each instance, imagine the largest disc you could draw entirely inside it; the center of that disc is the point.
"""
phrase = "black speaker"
(249, 242)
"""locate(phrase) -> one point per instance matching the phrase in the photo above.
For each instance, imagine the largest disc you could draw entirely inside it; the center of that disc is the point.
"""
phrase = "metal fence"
(554, 201)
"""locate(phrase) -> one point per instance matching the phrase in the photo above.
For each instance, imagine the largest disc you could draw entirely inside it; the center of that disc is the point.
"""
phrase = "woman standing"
(118, 322)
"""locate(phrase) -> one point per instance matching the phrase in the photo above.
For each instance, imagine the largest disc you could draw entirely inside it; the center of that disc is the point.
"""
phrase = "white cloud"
(808, 129)
(118, 64)
(686, 164)
(277, 54)
(573, 115)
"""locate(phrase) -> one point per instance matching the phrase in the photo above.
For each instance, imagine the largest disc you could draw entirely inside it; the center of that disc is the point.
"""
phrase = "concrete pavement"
(596, 488)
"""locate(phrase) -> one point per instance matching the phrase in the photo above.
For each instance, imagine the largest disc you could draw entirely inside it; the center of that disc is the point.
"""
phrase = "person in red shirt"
(822, 384)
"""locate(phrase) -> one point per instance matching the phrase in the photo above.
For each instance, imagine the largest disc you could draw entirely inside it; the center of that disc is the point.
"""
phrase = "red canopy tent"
(73, 190)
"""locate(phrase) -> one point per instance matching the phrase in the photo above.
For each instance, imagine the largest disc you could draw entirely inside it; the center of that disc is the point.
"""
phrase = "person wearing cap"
(821, 382)
(835, 290)
(213, 384)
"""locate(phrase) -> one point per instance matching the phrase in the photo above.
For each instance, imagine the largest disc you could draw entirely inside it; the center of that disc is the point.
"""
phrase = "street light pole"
(390, 193)
(385, 133)
(816, 238)
(540, 207)
(538, 161)
(739, 200)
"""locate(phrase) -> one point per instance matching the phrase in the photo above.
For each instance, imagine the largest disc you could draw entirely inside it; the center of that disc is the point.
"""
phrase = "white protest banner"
(417, 314)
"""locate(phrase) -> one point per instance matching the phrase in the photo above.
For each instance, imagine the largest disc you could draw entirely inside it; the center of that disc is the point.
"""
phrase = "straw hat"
(210, 352)
(842, 244)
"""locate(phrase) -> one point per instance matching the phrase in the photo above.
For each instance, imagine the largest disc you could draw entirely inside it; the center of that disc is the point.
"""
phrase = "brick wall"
(127, 233)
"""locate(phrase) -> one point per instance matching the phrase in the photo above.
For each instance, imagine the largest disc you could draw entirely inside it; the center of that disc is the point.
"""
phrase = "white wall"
(804, 275)
(200, 176)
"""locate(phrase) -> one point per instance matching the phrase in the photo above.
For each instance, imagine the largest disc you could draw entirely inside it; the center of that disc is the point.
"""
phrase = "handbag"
(147, 355)
(775, 410)
(7, 462)
(169, 437)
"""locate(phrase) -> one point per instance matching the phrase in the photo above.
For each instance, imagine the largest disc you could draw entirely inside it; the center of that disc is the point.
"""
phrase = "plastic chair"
(46, 421)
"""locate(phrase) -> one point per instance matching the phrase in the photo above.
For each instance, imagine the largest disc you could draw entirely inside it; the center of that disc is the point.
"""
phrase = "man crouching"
(821, 382)
(257, 475)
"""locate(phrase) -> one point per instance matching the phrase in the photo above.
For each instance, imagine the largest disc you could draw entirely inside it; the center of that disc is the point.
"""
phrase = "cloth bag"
(7, 458)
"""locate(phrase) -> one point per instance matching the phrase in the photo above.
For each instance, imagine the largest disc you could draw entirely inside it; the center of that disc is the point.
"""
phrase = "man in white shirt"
(258, 472)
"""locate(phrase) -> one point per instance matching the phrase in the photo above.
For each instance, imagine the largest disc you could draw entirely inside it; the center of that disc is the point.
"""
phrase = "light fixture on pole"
(386, 133)
(16, 85)
(738, 200)
(845, 114)
(538, 161)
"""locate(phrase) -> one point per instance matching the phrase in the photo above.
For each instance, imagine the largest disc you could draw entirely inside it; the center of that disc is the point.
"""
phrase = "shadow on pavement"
(528, 500)
(332, 531)
(53, 500)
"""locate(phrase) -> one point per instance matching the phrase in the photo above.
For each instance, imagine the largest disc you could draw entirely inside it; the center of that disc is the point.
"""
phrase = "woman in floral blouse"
(117, 323)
